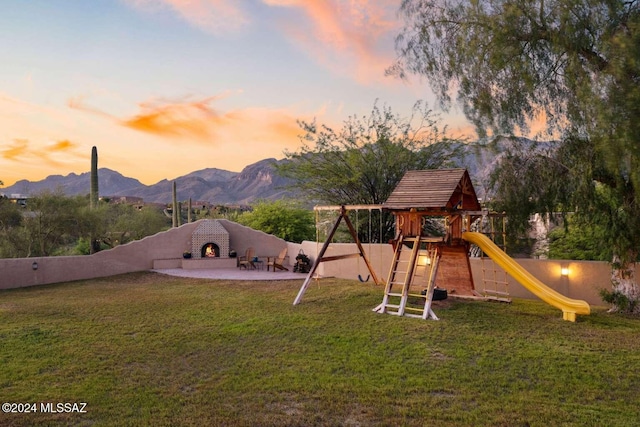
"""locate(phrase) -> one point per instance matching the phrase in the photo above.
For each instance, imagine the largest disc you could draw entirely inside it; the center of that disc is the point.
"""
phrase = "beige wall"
(160, 250)
(583, 282)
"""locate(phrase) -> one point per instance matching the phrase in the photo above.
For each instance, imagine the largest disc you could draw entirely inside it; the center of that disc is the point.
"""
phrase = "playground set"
(425, 263)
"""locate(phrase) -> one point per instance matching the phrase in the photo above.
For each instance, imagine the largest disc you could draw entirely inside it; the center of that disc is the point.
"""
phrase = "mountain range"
(256, 181)
(218, 186)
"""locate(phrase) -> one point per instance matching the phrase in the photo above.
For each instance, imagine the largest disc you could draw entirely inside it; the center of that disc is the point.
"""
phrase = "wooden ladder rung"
(418, 295)
(496, 292)
(416, 316)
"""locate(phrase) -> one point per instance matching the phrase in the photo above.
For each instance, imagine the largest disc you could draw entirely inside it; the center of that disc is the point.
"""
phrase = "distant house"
(19, 199)
(130, 200)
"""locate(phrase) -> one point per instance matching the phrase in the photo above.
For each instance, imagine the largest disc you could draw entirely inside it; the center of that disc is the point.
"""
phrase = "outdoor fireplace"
(210, 240)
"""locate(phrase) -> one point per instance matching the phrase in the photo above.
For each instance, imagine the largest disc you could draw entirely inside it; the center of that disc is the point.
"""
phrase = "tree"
(285, 219)
(363, 161)
(11, 236)
(135, 224)
(575, 64)
(578, 241)
(52, 222)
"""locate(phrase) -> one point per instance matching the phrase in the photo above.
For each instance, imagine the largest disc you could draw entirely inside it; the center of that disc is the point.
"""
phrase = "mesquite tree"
(362, 162)
(571, 64)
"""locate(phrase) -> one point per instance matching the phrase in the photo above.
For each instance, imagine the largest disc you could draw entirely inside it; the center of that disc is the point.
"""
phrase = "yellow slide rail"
(570, 307)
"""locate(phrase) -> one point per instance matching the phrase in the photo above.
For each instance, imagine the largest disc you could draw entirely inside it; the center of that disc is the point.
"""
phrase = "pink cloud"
(213, 16)
(350, 37)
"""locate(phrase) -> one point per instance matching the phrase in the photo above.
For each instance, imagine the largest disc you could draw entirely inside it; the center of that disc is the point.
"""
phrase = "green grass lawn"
(148, 349)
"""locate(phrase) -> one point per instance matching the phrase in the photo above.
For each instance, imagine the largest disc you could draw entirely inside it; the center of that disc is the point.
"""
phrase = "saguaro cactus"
(174, 216)
(93, 195)
(189, 211)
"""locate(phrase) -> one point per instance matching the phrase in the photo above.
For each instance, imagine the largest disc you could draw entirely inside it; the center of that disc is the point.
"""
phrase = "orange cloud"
(63, 145)
(239, 136)
(199, 122)
(18, 148)
(190, 119)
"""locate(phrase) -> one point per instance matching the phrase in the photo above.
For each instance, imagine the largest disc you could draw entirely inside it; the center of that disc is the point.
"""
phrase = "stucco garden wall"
(584, 280)
(162, 250)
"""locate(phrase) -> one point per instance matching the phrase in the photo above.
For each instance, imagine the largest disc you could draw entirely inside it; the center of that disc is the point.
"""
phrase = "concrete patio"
(232, 274)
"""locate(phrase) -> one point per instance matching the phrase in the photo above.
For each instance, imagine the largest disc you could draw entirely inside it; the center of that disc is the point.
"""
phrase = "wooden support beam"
(346, 207)
(337, 257)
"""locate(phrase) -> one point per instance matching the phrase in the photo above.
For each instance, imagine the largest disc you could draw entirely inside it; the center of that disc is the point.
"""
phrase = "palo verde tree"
(362, 162)
(572, 64)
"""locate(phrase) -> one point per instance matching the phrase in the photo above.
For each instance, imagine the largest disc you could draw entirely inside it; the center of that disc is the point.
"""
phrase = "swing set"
(343, 215)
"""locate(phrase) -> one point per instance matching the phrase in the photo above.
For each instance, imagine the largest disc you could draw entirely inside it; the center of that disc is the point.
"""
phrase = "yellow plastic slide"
(570, 307)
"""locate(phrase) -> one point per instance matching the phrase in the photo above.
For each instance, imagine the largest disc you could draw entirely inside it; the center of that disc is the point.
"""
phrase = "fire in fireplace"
(210, 250)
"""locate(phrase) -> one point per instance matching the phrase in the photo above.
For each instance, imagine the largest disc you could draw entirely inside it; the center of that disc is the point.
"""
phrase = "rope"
(357, 231)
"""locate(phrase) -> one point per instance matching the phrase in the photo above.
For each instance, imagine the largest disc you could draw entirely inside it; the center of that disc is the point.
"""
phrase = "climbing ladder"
(495, 282)
(411, 282)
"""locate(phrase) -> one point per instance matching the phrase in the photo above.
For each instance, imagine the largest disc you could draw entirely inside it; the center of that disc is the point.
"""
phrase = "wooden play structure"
(420, 259)
(435, 211)
(426, 255)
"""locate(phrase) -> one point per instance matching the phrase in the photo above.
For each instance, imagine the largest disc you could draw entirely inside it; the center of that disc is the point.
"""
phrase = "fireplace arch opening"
(210, 250)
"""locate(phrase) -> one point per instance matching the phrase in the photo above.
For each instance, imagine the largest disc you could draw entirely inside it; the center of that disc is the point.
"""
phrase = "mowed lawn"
(148, 349)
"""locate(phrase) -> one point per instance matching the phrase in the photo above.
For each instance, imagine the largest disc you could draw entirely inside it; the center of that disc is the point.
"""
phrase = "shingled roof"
(434, 189)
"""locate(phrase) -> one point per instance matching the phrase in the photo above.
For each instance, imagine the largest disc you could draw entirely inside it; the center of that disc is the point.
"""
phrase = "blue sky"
(166, 87)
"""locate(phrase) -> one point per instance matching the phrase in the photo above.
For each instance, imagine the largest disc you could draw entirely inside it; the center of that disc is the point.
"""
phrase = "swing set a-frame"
(343, 214)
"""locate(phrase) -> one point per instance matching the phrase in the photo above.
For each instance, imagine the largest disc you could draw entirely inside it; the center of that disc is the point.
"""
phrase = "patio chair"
(277, 262)
(246, 261)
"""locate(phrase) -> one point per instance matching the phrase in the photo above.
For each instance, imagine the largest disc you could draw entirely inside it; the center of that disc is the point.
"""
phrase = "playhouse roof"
(434, 189)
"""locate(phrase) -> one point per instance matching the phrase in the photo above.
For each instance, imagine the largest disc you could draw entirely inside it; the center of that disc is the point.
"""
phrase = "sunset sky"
(167, 87)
